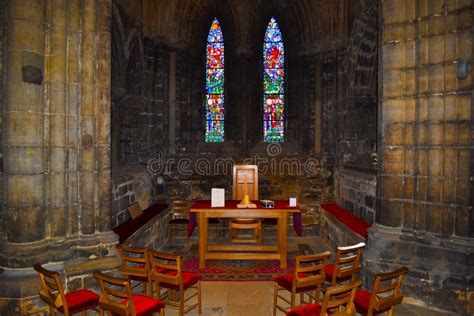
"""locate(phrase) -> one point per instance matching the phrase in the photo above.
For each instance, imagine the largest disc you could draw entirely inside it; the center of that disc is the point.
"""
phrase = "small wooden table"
(240, 251)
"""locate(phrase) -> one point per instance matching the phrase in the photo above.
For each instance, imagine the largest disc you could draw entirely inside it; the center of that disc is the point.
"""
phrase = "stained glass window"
(273, 84)
(215, 85)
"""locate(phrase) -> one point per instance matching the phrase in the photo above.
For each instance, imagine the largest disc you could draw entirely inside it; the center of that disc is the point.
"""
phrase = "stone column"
(425, 143)
(23, 208)
(172, 102)
(317, 107)
(56, 146)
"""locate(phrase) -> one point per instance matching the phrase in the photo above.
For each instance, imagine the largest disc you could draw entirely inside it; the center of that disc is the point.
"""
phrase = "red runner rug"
(240, 270)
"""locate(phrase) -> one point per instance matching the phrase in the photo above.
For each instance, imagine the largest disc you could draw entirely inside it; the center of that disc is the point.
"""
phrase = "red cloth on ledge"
(356, 224)
(232, 204)
(127, 228)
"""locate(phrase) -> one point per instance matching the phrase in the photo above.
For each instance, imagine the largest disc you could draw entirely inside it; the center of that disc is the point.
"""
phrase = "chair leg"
(199, 297)
(181, 302)
(293, 294)
(275, 298)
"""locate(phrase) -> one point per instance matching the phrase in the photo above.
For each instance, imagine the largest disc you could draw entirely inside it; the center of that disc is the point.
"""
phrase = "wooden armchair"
(166, 273)
(117, 298)
(180, 217)
(385, 294)
(245, 182)
(338, 301)
(134, 265)
(52, 293)
(346, 265)
(307, 278)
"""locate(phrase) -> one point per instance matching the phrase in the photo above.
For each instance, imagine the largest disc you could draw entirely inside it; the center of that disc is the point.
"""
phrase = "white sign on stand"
(217, 197)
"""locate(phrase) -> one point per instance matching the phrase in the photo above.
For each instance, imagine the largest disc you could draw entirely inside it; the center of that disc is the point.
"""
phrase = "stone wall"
(129, 185)
(426, 150)
(349, 94)
(356, 192)
(139, 92)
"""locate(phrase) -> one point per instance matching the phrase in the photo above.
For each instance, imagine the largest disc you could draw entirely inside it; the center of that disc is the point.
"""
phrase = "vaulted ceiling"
(309, 25)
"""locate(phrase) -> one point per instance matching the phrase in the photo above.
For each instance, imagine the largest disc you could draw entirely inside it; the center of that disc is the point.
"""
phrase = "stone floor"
(224, 298)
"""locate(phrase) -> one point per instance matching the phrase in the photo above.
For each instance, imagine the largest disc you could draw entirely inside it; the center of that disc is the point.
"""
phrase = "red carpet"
(240, 270)
(237, 270)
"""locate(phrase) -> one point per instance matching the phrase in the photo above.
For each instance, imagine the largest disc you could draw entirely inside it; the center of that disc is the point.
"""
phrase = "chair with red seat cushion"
(134, 265)
(346, 265)
(166, 273)
(52, 293)
(307, 277)
(117, 298)
(338, 300)
(385, 294)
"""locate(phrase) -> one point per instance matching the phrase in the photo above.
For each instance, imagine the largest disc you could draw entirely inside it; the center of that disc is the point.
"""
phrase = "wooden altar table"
(243, 251)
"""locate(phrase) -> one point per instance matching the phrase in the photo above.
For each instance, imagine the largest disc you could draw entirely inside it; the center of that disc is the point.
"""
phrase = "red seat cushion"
(329, 271)
(362, 301)
(189, 279)
(145, 305)
(286, 281)
(80, 300)
(306, 310)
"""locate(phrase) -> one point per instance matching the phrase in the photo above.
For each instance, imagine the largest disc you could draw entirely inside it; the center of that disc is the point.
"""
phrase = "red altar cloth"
(232, 204)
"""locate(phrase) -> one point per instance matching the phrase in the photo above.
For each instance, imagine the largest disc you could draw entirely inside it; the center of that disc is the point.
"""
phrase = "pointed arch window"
(215, 84)
(273, 84)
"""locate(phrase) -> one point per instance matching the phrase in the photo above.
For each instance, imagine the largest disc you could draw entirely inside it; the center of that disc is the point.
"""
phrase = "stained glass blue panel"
(273, 84)
(215, 33)
(273, 33)
(214, 84)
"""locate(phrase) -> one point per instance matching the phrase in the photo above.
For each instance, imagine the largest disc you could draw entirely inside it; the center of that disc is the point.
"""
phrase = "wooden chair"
(346, 265)
(385, 294)
(245, 182)
(166, 273)
(134, 265)
(117, 298)
(307, 278)
(180, 217)
(338, 301)
(52, 293)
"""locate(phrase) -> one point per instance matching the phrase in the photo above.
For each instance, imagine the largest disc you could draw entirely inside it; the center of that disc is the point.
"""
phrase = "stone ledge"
(441, 271)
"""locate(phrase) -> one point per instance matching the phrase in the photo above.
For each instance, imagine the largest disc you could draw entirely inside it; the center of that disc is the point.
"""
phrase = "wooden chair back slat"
(52, 291)
(347, 263)
(386, 292)
(309, 269)
(339, 300)
(113, 290)
(160, 261)
(180, 208)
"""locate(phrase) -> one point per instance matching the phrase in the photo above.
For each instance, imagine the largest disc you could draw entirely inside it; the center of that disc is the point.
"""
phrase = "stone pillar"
(424, 218)
(23, 208)
(172, 102)
(317, 107)
(56, 146)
